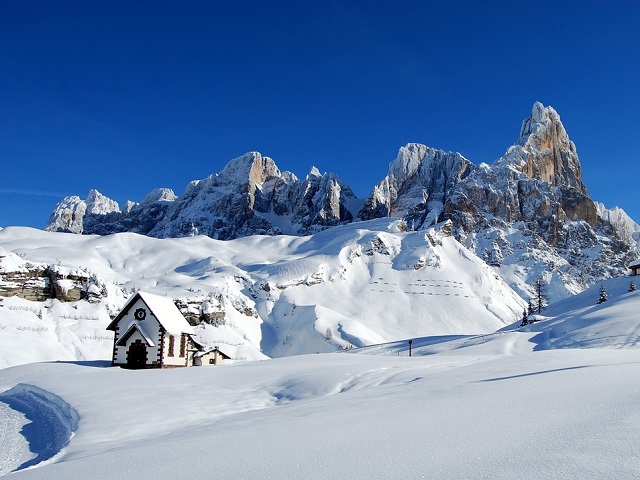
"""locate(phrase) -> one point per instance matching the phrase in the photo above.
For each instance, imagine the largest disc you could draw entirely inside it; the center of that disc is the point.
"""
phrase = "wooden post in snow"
(410, 342)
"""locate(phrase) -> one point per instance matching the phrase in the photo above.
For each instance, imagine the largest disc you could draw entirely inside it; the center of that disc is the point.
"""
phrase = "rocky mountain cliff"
(249, 196)
(529, 215)
(419, 180)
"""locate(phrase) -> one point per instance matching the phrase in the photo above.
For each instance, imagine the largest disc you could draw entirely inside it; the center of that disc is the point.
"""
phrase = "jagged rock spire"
(545, 152)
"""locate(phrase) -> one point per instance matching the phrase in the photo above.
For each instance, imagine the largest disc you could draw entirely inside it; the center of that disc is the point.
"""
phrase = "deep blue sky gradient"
(127, 96)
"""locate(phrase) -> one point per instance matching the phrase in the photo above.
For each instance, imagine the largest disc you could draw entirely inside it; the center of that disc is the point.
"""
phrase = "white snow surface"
(353, 285)
(556, 399)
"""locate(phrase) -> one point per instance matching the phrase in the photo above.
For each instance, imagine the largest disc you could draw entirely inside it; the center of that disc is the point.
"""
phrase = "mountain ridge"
(529, 205)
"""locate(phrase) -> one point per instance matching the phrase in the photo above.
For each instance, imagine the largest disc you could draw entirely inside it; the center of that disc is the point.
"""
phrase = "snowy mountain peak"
(545, 152)
(99, 204)
(314, 172)
(67, 216)
(539, 115)
(70, 214)
(251, 166)
(250, 195)
(624, 225)
(540, 119)
(419, 179)
(529, 206)
(159, 195)
(408, 161)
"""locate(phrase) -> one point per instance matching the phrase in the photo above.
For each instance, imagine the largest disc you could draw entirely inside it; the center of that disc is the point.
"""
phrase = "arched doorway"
(137, 355)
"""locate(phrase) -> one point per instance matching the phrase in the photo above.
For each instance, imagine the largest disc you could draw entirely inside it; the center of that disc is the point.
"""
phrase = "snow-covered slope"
(578, 322)
(582, 322)
(353, 285)
(481, 396)
(501, 406)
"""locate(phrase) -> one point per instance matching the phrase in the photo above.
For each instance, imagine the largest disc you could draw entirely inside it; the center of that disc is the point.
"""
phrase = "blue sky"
(129, 96)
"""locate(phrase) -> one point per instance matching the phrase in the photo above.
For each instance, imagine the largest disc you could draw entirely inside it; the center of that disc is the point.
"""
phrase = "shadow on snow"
(52, 420)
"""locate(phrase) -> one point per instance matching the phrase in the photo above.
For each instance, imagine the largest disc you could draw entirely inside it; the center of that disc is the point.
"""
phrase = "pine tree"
(530, 308)
(603, 294)
(540, 299)
(525, 319)
(632, 286)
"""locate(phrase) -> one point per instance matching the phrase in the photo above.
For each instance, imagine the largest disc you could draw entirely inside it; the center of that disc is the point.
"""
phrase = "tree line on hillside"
(539, 300)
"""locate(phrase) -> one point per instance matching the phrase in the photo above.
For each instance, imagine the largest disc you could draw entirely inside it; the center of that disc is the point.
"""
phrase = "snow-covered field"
(354, 285)
(555, 399)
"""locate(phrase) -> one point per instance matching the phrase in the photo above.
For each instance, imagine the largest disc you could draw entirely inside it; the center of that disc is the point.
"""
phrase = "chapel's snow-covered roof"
(163, 309)
(635, 264)
(167, 313)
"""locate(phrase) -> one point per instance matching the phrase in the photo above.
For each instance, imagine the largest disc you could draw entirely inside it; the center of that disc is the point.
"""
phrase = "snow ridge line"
(53, 420)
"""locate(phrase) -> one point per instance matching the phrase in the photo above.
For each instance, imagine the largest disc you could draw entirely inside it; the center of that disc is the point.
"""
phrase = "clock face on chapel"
(140, 314)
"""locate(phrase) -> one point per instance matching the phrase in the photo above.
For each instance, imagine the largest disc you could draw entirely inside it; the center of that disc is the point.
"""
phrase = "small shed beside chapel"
(209, 356)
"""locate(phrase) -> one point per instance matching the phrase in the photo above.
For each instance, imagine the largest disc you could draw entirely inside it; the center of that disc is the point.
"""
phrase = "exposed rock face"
(245, 196)
(418, 184)
(529, 208)
(76, 216)
(212, 310)
(38, 282)
(31, 284)
(222, 205)
(625, 227)
(241, 200)
(320, 200)
(538, 180)
(535, 190)
(544, 151)
(68, 216)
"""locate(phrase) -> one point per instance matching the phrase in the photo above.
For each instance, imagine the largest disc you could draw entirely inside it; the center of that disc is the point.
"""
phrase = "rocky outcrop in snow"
(39, 282)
